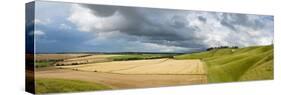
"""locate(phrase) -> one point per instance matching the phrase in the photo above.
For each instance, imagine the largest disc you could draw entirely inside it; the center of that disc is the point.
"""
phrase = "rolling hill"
(242, 64)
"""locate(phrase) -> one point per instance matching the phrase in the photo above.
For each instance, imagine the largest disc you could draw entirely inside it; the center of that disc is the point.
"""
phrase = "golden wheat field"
(127, 73)
(151, 66)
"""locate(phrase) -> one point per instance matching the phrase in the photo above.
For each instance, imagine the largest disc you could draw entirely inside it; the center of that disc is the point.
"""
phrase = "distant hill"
(228, 64)
(86, 52)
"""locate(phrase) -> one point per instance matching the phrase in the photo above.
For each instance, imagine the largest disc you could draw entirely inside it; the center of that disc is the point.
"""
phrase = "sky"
(70, 27)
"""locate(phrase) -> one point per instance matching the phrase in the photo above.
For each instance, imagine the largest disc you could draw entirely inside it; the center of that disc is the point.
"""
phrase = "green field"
(125, 57)
(228, 65)
(45, 85)
(42, 64)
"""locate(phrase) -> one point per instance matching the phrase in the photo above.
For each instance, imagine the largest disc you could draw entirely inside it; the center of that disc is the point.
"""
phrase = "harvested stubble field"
(152, 66)
(133, 74)
(122, 81)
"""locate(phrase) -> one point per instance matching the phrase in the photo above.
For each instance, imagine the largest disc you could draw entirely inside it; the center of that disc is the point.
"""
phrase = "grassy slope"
(226, 65)
(44, 85)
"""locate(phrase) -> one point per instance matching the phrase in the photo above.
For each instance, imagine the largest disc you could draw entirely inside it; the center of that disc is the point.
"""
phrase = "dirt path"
(176, 73)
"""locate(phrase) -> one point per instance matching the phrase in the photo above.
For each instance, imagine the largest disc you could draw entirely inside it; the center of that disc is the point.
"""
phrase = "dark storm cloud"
(201, 18)
(100, 10)
(154, 29)
(153, 25)
(178, 21)
(57, 40)
(233, 20)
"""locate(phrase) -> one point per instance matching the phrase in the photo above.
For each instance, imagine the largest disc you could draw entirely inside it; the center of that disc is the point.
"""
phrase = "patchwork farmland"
(118, 71)
(153, 66)
(129, 71)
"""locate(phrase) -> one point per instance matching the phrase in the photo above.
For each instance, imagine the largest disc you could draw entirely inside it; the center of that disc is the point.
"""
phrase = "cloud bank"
(121, 29)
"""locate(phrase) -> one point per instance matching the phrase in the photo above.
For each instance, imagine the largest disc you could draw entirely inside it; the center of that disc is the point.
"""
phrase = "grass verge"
(48, 85)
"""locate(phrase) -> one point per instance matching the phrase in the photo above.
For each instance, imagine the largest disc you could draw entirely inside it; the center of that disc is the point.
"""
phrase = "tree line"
(221, 47)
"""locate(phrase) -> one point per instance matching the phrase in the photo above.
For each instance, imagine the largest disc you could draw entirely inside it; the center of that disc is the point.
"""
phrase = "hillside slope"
(226, 65)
